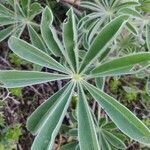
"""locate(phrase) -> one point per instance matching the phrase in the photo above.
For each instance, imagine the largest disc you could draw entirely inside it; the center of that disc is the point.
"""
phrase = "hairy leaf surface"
(125, 120)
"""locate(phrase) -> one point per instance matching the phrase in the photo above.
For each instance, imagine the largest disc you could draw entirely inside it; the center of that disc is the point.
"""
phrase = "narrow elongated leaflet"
(5, 12)
(148, 35)
(25, 5)
(86, 127)
(36, 39)
(131, 12)
(122, 65)
(103, 39)
(19, 30)
(70, 146)
(13, 78)
(125, 120)
(34, 55)
(49, 34)
(115, 141)
(38, 117)
(100, 82)
(126, 5)
(46, 136)
(7, 21)
(90, 5)
(132, 28)
(37, 42)
(104, 143)
(6, 32)
(70, 39)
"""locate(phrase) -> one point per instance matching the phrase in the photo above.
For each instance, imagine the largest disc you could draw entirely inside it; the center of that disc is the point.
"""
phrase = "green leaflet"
(103, 39)
(19, 16)
(90, 5)
(37, 42)
(86, 127)
(131, 12)
(121, 116)
(35, 9)
(5, 12)
(5, 33)
(104, 144)
(148, 35)
(131, 28)
(126, 5)
(70, 39)
(36, 39)
(19, 30)
(39, 116)
(49, 33)
(7, 21)
(34, 55)
(13, 78)
(115, 141)
(70, 146)
(121, 65)
(100, 82)
(49, 130)
(18, 10)
(25, 5)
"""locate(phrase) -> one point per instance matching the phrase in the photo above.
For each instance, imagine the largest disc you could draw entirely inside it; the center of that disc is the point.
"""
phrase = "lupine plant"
(109, 136)
(102, 12)
(16, 16)
(80, 73)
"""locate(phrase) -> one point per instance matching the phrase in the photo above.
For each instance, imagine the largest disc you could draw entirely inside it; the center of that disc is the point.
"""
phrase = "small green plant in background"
(16, 92)
(114, 85)
(16, 16)
(16, 61)
(9, 137)
(46, 120)
(9, 134)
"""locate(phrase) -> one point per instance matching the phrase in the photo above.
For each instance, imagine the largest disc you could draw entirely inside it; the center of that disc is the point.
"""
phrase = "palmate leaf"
(102, 41)
(120, 115)
(86, 128)
(34, 55)
(35, 121)
(13, 78)
(18, 15)
(49, 130)
(123, 65)
(47, 119)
